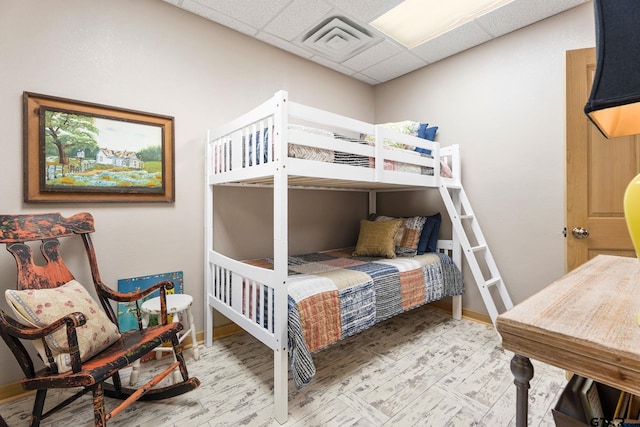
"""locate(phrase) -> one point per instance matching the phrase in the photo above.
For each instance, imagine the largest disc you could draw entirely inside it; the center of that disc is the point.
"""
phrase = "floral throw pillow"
(41, 307)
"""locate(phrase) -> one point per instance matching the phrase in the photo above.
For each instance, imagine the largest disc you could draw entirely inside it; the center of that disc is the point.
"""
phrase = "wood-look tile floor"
(421, 368)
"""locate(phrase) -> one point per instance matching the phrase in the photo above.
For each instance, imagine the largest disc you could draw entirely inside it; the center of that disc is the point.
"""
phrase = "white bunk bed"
(257, 149)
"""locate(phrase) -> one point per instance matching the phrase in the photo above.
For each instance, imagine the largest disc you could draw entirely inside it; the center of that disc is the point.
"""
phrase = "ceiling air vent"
(337, 39)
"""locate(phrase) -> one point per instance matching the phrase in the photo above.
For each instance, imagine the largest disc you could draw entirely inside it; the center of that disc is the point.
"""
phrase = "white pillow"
(41, 307)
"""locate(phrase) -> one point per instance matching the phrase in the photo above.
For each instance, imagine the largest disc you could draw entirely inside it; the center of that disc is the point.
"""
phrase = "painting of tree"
(65, 132)
(79, 151)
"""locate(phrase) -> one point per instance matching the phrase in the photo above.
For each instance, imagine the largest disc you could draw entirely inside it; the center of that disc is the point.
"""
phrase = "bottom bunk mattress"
(333, 295)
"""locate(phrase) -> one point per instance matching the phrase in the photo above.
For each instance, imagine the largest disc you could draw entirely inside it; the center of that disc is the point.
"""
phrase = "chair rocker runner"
(78, 341)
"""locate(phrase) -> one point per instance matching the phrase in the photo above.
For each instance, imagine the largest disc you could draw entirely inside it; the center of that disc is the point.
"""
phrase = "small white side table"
(178, 305)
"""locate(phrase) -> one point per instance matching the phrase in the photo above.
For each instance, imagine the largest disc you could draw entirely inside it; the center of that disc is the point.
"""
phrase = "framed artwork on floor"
(126, 311)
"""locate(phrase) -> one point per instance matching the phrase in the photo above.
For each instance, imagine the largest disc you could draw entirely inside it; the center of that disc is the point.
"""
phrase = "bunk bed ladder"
(474, 246)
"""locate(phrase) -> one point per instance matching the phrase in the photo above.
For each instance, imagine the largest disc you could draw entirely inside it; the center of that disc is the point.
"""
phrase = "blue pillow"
(428, 133)
(430, 234)
(422, 129)
(423, 151)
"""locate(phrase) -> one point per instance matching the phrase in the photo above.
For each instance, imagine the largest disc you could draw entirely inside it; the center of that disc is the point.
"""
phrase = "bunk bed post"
(208, 239)
(456, 301)
(379, 154)
(373, 202)
(452, 158)
(280, 258)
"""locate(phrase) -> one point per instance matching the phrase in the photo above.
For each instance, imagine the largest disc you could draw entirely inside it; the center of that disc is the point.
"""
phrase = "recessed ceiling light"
(414, 22)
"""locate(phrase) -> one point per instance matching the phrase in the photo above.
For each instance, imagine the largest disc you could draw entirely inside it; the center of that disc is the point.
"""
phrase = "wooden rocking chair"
(78, 341)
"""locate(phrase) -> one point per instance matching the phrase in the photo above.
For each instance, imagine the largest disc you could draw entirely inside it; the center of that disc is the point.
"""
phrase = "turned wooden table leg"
(522, 371)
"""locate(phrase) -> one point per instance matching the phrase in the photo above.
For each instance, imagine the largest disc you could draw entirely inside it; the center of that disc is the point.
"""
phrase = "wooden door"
(597, 173)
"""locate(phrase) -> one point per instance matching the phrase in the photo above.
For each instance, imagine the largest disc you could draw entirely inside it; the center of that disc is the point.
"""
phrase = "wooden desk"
(584, 322)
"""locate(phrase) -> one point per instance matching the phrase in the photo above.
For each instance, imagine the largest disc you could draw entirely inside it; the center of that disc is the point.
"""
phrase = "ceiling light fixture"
(414, 22)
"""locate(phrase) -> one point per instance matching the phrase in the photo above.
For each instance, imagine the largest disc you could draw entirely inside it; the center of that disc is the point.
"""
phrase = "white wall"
(504, 103)
(148, 55)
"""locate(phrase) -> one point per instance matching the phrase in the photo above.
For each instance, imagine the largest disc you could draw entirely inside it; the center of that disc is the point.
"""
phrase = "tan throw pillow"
(376, 238)
(41, 307)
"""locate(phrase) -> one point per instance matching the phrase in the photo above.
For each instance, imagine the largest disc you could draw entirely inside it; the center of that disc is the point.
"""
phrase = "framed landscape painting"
(76, 151)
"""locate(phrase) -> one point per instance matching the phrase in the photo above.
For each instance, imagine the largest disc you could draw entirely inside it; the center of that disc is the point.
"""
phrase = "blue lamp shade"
(614, 103)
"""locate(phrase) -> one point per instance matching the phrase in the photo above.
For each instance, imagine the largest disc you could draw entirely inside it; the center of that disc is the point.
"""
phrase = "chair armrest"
(71, 322)
(134, 296)
(18, 330)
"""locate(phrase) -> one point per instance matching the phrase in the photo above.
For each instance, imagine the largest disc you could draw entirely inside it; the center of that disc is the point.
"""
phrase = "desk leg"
(522, 371)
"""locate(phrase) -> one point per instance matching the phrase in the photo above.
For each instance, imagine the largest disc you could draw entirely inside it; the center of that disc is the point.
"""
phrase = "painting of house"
(124, 158)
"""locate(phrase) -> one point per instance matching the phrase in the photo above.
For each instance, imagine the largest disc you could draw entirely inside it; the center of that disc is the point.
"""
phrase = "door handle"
(580, 233)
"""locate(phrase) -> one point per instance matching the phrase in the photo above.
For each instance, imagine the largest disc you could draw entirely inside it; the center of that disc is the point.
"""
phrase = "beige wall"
(504, 103)
(148, 55)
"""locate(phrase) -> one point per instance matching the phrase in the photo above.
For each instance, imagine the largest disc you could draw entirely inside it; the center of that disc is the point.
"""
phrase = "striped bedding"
(257, 147)
(333, 295)
(330, 156)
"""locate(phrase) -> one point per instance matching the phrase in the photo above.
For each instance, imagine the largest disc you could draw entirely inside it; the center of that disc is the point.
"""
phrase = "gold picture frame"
(76, 151)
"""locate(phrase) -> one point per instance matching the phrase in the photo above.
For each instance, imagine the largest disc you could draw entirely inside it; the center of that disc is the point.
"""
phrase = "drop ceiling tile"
(331, 64)
(254, 13)
(394, 66)
(284, 45)
(372, 56)
(364, 11)
(368, 80)
(217, 17)
(298, 18)
(452, 42)
(520, 13)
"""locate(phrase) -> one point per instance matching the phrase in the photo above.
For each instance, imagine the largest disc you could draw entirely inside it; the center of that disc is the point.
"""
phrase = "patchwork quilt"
(333, 295)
